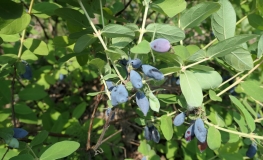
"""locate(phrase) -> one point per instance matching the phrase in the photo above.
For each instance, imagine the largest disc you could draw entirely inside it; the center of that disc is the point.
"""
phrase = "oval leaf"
(36, 46)
(167, 127)
(224, 21)
(171, 33)
(195, 15)
(191, 89)
(83, 42)
(208, 80)
(116, 30)
(60, 150)
(213, 138)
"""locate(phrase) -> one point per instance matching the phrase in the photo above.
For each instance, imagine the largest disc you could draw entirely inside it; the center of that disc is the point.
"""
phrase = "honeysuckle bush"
(66, 88)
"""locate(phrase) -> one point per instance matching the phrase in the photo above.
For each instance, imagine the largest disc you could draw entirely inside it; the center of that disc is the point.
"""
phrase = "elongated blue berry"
(200, 130)
(155, 134)
(160, 45)
(144, 158)
(179, 119)
(136, 79)
(189, 133)
(28, 72)
(142, 102)
(119, 94)
(19, 133)
(147, 133)
(252, 150)
(152, 72)
(136, 63)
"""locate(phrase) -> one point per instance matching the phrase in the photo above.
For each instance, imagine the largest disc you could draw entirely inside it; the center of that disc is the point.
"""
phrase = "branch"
(98, 98)
(12, 97)
(125, 7)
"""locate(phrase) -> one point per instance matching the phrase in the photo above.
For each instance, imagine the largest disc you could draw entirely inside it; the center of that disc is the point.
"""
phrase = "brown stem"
(105, 127)
(98, 98)
(104, 140)
(12, 97)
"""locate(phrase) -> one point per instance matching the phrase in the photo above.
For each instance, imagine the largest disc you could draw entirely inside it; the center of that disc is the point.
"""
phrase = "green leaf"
(253, 89)
(249, 108)
(44, 9)
(154, 102)
(70, 55)
(121, 42)
(170, 70)
(171, 33)
(29, 93)
(82, 59)
(10, 26)
(13, 143)
(213, 138)
(224, 21)
(182, 52)
(73, 16)
(98, 63)
(109, 76)
(196, 14)
(8, 58)
(225, 47)
(142, 48)
(171, 7)
(202, 68)
(255, 21)
(83, 42)
(29, 56)
(260, 47)
(213, 96)
(197, 56)
(229, 137)
(39, 138)
(240, 59)
(36, 46)
(116, 30)
(62, 41)
(9, 38)
(79, 110)
(243, 110)
(22, 109)
(23, 157)
(208, 80)
(239, 119)
(144, 148)
(191, 89)
(167, 98)
(60, 150)
(167, 127)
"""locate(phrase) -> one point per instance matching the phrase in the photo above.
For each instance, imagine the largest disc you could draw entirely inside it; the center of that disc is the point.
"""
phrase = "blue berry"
(252, 150)
(142, 102)
(28, 73)
(136, 63)
(19, 133)
(110, 85)
(107, 113)
(147, 133)
(189, 133)
(152, 72)
(160, 45)
(155, 134)
(136, 79)
(200, 130)
(179, 119)
(119, 94)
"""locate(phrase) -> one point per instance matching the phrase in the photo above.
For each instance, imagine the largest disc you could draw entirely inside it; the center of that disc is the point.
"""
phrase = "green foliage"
(74, 48)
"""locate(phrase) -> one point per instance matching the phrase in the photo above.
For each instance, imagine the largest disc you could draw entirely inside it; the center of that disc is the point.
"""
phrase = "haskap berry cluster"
(197, 129)
(119, 94)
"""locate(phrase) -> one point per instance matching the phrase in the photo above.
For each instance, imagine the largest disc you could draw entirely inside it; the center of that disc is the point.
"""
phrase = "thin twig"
(105, 127)
(5, 153)
(104, 140)
(125, 7)
(98, 98)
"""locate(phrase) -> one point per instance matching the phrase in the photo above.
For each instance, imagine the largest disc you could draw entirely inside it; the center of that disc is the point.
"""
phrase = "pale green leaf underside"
(224, 21)
(191, 89)
(208, 80)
